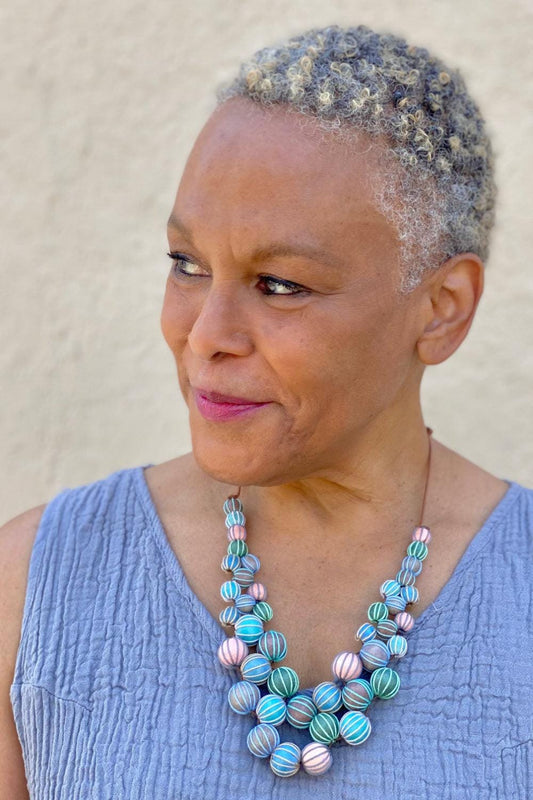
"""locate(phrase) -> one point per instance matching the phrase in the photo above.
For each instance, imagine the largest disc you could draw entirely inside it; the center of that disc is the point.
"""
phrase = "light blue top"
(118, 693)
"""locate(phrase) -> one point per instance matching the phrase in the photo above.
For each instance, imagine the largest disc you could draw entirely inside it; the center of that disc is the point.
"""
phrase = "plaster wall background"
(101, 102)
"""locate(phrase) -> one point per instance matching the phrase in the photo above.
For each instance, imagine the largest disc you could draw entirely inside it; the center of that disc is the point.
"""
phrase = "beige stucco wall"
(100, 102)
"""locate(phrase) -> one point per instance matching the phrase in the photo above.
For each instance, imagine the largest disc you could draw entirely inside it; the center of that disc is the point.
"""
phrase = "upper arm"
(16, 543)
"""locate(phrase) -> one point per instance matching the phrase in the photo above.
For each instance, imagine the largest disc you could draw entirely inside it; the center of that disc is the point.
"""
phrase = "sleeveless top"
(118, 693)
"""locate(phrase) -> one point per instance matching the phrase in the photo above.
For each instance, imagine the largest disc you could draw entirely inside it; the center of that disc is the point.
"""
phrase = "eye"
(276, 286)
(186, 266)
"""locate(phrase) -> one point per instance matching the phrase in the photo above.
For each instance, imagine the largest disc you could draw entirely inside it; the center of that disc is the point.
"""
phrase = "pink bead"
(258, 591)
(347, 666)
(236, 532)
(404, 621)
(232, 652)
(422, 534)
(316, 758)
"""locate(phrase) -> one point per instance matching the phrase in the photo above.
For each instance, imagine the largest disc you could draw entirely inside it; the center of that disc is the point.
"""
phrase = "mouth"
(219, 407)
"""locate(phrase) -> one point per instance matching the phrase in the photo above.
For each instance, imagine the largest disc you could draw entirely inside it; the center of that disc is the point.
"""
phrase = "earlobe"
(451, 299)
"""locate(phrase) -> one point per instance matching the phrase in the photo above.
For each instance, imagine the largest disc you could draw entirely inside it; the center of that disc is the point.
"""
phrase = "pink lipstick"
(219, 407)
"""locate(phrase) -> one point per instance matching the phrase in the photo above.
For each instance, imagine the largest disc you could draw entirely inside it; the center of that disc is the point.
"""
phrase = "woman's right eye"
(185, 266)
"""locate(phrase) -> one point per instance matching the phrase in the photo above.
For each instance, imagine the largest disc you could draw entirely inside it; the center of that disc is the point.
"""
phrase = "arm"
(16, 542)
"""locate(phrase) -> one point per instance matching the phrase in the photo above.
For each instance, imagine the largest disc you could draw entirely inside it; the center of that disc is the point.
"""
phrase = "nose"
(220, 326)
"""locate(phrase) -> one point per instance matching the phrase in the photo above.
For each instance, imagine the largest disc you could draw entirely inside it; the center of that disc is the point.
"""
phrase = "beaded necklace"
(333, 710)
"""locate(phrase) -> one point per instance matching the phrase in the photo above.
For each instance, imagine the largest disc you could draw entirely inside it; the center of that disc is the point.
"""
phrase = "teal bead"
(230, 590)
(285, 760)
(232, 504)
(300, 711)
(409, 594)
(271, 708)
(230, 562)
(366, 632)
(262, 740)
(251, 562)
(324, 728)
(235, 518)
(243, 697)
(395, 604)
(237, 547)
(327, 697)
(418, 550)
(354, 727)
(385, 683)
(273, 645)
(243, 576)
(397, 646)
(377, 611)
(229, 615)
(244, 603)
(374, 654)
(386, 628)
(413, 564)
(357, 694)
(283, 681)
(255, 668)
(406, 577)
(389, 588)
(263, 610)
(249, 628)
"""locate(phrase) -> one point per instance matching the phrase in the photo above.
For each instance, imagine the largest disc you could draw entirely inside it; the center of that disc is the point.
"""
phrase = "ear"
(451, 298)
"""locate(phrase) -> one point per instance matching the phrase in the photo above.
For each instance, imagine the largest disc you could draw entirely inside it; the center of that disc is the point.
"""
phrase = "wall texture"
(101, 102)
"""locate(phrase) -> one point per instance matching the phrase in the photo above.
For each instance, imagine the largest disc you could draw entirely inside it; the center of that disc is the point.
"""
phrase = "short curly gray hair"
(440, 189)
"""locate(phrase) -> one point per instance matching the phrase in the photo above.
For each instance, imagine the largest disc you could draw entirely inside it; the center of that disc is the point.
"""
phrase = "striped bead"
(366, 632)
(251, 562)
(243, 576)
(406, 577)
(235, 518)
(418, 550)
(357, 695)
(243, 697)
(377, 611)
(244, 603)
(395, 604)
(389, 588)
(249, 628)
(354, 727)
(237, 547)
(229, 615)
(230, 562)
(397, 646)
(256, 668)
(324, 728)
(285, 760)
(236, 532)
(232, 652)
(273, 645)
(386, 628)
(422, 534)
(300, 711)
(271, 708)
(262, 740)
(263, 611)
(232, 504)
(409, 594)
(316, 758)
(374, 654)
(230, 590)
(327, 697)
(413, 564)
(283, 681)
(257, 591)
(404, 621)
(346, 666)
(385, 683)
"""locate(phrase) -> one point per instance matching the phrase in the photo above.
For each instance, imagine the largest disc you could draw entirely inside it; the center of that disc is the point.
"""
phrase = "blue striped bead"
(409, 594)
(229, 615)
(235, 518)
(230, 590)
(230, 562)
(249, 628)
(285, 760)
(251, 562)
(397, 646)
(243, 576)
(354, 727)
(271, 708)
(385, 682)
(232, 504)
(255, 668)
(374, 654)
(406, 577)
(243, 697)
(244, 603)
(324, 728)
(357, 694)
(366, 632)
(395, 604)
(389, 588)
(273, 645)
(262, 740)
(300, 711)
(413, 564)
(327, 697)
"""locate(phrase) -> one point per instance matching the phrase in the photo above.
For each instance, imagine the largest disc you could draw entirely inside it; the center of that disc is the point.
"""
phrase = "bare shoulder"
(16, 542)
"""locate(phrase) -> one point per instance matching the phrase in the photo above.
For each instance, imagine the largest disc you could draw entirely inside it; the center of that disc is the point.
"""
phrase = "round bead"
(285, 760)
(229, 615)
(422, 534)
(418, 550)
(249, 628)
(389, 588)
(237, 547)
(243, 697)
(385, 682)
(263, 611)
(395, 604)
(251, 562)
(377, 611)
(236, 532)
(262, 740)
(230, 590)
(409, 594)
(406, 577)
(346, 666)
(397, 646)
(273, 645)
(404, 621)
(366, 632)
(235, 518)
(230, 562)
(257, 591)
(357, 695)
(316, 758)
(232, 652)
(327, 697)
(300, 711)
(256, 668)
(374, 654)
(283, 681)
(413, 564)
(243, 576)
(232, 504)
(244, 603)
(386, 628)
(272, 709)
(354, 727)
(324, 728)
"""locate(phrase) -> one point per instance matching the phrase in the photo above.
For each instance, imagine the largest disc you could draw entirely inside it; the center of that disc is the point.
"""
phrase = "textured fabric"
(118, 693)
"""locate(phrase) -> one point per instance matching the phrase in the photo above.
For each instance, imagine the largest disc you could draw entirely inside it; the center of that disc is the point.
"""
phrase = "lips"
(218, 407)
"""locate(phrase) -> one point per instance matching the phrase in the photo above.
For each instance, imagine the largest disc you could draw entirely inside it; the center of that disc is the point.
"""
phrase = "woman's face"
(283, 297)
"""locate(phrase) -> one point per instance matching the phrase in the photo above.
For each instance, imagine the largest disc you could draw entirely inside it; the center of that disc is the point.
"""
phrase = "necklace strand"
(333, 711)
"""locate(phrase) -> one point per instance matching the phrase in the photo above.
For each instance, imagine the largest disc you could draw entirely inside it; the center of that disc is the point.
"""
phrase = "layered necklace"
(335, 710)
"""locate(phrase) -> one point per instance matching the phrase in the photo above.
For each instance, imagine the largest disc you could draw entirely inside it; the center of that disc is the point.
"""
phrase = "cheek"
(177, 319)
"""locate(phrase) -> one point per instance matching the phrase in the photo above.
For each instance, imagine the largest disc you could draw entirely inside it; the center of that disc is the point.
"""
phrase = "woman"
(327, 244)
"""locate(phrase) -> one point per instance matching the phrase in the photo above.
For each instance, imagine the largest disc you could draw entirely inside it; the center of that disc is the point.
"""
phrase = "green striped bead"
(418, 550)
(377, 612)
(283, 681)
(385, 683)
(324, 728)
(263, 610)
(237, 547)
